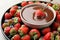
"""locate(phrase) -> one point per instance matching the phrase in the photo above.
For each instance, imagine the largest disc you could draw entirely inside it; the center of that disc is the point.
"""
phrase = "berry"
(55, 25)
(16, 37)
(7, 16)
(30, 2)
(24, 3)
(15, 7)
(18, 25)
(47, 36)
(7, 30)
(19, 19)
(23, 30)
(58, 18)
(26, 37)
(34, 33)
(13, 31)
(12, 11)
(39, 14)
(46, 30)
(17, 14)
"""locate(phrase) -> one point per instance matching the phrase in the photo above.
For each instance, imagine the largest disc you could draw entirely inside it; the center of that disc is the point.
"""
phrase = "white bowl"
(38, 25)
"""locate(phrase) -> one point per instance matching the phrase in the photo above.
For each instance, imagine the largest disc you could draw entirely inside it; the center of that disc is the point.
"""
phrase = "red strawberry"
(19, 19)
(7, 16)
(30, 2)
(23, 30)
(46, 30)
(47, 36)
(12, 11)
(43, 39)
(16, 37)
(58, 18)
(7, 30)
(17, 14)
(24, 3)
(18, 25)
(39, 14)
(15, 7)
(26, 37)
(34, 33)
(55, 25)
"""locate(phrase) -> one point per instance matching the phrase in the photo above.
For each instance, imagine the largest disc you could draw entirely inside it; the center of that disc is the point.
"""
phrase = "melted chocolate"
(28, 15)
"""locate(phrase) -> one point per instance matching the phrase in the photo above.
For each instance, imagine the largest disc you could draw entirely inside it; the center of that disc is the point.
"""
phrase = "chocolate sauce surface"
(28, 15)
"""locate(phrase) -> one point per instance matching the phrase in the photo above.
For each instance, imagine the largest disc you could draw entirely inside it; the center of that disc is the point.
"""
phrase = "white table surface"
(5, 4)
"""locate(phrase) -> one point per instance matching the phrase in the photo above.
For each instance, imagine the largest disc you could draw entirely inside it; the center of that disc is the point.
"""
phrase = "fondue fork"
(47, 4)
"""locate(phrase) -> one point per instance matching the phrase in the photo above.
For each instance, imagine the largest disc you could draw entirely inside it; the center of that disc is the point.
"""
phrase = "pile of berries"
(15, 29)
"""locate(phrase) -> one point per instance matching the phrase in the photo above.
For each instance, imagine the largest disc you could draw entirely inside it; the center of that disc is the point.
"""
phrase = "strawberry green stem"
(15, 20)
(21, 33)
(35, 37)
